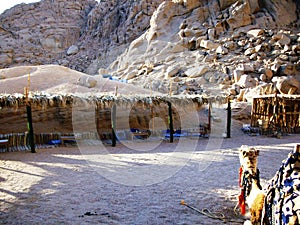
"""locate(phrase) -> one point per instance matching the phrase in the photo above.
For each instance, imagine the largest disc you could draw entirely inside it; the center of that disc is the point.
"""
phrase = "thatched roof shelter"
(59, 108)
(47, 100)
(79, 113)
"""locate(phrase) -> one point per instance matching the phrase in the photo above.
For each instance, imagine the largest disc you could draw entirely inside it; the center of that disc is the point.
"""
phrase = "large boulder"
(287, 84)
(208, 44)
(240, 15)
(87, 81)
(6, 59)
(247, 81)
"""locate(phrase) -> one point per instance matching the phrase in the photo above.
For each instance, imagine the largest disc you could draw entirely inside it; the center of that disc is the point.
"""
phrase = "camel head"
(248, 159)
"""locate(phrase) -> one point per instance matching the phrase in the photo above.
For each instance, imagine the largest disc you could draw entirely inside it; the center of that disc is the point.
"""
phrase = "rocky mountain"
(71, 33)
(40, 33)
(238, 47)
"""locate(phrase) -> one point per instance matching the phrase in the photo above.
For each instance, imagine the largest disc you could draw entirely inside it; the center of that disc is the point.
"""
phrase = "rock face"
(227, 47)
(188, 46)
(48, 31)
(40, 33)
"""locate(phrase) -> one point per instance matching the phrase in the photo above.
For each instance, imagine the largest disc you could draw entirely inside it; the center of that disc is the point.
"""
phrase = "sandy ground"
(65, 186)
(56, 79)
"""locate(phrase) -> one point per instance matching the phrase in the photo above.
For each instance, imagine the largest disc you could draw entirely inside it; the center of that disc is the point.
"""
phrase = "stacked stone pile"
(269, 62)
(231, 48)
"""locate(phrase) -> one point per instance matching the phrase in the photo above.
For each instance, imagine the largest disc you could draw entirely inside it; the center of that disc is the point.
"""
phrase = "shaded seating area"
(176, 133)
(20, 141)
(4, 144)
(140, 134)
(202, 131)
(56, 118)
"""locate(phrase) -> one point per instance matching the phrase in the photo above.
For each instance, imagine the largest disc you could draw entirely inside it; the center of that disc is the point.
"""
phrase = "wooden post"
(171, 122)
(29, 117)
(254, 102)
(228, 119)
(297, 148)
(113, 121)
(209, 117)
(30, 128)
(113, 125)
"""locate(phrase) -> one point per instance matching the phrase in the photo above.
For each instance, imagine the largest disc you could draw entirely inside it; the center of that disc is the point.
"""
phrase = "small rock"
(196, 71)
(258, 48)
(281, 39)
(269, 74)
(211, 34)
(222, 50)
(72, 50)
(283, 57)
(237, 75)
(102, 71)
(230, 45)
(293, 59)
(232, 91)
(172, 71)
(253, 56)
(263, 77)
(207, 44)
(87, 81)
(255, 33)
(210, 58)
(250, 51)
(275, 68)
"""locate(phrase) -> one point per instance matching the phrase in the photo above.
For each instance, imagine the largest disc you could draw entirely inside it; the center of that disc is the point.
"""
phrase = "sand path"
(59, 186)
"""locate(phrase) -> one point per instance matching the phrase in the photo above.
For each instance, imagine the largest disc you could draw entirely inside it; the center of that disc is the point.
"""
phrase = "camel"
(279, 202)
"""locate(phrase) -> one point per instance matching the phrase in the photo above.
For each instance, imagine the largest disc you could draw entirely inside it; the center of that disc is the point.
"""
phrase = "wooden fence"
(276, 113)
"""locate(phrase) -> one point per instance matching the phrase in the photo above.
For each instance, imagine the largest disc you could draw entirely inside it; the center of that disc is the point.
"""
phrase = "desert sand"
(54, 79)
(60, 185)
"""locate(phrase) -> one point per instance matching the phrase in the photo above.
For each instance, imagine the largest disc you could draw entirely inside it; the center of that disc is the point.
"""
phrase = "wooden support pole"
(30, 128)
(228, 119)
(171, 122)
(113, 125)
(209, 117)
(253, 113)
(29, 117)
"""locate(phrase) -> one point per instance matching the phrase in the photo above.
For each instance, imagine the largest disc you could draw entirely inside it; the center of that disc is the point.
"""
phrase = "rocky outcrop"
(111, 27)
(182, 46)
(43, 32)
(40, 33)
(216, 47)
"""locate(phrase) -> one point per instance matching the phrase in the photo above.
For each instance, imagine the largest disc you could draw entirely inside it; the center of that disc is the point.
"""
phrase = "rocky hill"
(71, 33)
(186, 46)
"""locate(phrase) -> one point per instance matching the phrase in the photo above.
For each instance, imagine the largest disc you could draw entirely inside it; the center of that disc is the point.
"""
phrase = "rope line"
(206, 212)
